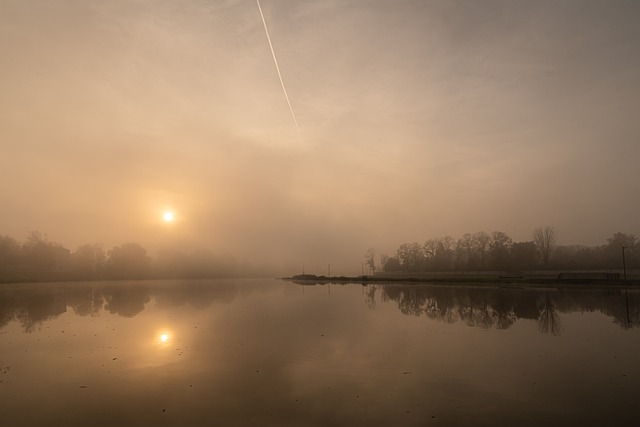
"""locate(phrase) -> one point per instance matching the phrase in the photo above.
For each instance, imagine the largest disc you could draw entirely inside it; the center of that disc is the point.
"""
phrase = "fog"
(417, 119)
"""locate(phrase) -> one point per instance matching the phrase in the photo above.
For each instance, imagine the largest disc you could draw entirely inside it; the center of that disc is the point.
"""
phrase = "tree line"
(40, 259)
(482, 251)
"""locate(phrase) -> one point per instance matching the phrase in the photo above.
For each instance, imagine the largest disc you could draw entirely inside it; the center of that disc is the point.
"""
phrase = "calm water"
(267, 352)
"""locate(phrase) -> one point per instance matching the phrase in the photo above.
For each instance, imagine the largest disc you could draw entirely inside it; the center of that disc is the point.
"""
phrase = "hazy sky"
(418, 119)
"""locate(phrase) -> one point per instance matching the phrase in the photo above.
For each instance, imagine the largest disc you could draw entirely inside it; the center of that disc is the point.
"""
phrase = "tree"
(370, 259)
(545, 239)
(129, 261)
(411, 256)
(9, 259)
(622, 239)
(439, 253)
(613, 250)
(465, 248)
(523, 255)
(384, 258)
(481, 241)
(430, 250)
(42, 255)
(87, 261)
(499, 247)
(392, 264)
(9, 252)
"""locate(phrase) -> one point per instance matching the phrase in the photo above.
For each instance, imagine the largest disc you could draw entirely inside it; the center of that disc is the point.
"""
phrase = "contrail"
(275, 61)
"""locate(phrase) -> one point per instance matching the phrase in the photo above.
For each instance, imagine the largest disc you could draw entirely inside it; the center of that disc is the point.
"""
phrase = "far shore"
(503, 281)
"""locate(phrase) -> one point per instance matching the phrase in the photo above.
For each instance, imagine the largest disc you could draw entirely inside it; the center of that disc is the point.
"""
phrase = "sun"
(168, 216)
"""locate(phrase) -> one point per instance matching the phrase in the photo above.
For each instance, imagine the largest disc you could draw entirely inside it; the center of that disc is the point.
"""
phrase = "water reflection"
(549, 320)
(483, 307)
(494, 307)
(32, 304)
(264, 353)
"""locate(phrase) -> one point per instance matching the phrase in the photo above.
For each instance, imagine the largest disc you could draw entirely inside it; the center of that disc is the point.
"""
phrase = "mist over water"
(275, 353)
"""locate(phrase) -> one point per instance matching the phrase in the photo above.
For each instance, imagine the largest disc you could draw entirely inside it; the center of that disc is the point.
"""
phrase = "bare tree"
(500, 248)
(129, 261)
(87, 260)
(430, 250)
(384, 258)
(481, 240)
(548, 318)
(43, 255)
(444, 253)
(545, 239)
(411, 256)
(466, 245)
(370, 259)
(9, 251)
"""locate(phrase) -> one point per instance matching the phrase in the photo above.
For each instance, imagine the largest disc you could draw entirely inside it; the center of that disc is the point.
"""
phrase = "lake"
(269, 352)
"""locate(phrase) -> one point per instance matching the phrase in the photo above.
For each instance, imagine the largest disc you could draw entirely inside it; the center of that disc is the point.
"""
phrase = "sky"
(416, 120)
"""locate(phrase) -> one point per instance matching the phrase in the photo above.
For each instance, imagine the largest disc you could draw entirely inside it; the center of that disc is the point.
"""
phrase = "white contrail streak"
(275, 61)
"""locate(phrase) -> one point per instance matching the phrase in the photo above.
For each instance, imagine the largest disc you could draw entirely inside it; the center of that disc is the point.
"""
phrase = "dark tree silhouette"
(545, 239)
(523, 255)
(87, 261)
(370, 259)
(500, 247)
(549, 320)
(481, 242)
(9, 258)
(129, 261)
(42, 255)
(411, 256)
(465, 248)
(613, 250)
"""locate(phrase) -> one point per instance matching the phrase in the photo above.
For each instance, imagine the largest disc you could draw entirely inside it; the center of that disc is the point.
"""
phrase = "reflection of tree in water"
(549, 321)
(85, 302)
(476, 307)
(32, 306)
(627, 316)
(444, 308)
(370, 296)
(500, 308)
(474, 310)
(126, 301)
(37, 307)
(6, 309)
(503, 310)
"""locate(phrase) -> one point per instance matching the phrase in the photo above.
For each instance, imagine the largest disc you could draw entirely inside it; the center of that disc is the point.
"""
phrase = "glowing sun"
(164, 337)
(168, 216)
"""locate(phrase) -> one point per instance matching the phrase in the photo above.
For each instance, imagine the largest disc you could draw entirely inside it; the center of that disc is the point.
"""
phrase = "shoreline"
(501, 281)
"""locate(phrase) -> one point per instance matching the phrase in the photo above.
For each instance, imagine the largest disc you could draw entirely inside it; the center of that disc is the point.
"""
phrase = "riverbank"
(310, 279)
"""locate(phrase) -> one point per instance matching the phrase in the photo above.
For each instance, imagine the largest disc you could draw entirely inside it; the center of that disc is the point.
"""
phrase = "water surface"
(268, 352)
